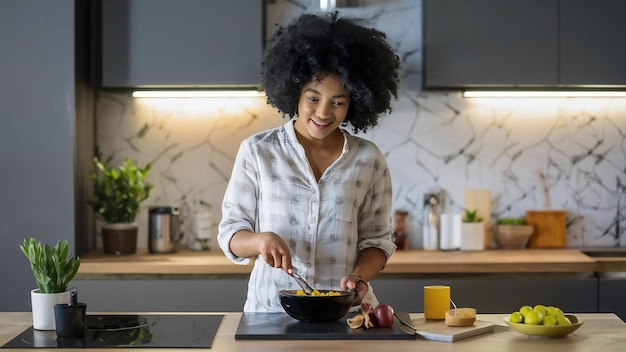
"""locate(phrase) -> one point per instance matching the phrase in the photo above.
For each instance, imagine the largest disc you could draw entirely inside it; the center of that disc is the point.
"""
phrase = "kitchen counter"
(145, 265)
(599, 332)
(214, 264)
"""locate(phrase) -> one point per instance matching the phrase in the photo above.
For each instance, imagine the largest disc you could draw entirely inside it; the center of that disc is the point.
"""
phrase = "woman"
(309, 196)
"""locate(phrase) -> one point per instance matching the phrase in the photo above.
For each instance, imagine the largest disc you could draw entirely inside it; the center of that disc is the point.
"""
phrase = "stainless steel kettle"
(164, 231)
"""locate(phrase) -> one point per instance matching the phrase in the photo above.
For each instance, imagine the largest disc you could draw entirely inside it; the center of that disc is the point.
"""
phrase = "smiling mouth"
(319, 124)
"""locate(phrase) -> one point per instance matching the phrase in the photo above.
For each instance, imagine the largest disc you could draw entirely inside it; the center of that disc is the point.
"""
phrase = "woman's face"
(323, 107)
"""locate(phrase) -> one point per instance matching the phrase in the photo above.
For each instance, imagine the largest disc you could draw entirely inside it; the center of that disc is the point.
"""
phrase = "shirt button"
(312, 220)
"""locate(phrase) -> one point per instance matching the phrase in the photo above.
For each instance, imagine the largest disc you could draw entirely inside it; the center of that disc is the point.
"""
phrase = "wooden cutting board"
(437, 330)
(550, 228)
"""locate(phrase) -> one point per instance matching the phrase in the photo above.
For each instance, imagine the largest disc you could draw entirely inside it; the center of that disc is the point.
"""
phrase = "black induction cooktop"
(130, 330)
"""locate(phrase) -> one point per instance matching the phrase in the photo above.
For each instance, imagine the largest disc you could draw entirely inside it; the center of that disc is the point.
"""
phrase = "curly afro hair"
(316, 43)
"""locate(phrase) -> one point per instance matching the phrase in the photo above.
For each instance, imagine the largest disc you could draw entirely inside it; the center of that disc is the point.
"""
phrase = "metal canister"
(164, 230)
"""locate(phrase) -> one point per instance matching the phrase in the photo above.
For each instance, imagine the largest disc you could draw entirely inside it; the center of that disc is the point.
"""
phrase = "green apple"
(554, 311)
(533, 318)
(524, 310)
(548, 320)
(540, 308)
(516, 317)
(563, 320)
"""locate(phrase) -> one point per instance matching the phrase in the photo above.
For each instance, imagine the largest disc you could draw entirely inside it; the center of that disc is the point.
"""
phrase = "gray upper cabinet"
(523, 43)
(592, 42)
(181, 43)
(486, 43)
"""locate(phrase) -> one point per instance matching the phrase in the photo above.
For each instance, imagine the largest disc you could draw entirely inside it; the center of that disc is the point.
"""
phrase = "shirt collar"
(290, 130)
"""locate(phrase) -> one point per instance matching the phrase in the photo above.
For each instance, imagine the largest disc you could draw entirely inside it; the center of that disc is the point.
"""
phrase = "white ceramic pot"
(43, 308)
(473, 236)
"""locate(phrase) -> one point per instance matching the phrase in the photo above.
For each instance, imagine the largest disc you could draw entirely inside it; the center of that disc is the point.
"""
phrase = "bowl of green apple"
(542, 321)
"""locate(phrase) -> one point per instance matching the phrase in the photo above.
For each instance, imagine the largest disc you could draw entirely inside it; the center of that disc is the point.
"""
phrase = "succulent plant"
(471, 216)
(53, 268)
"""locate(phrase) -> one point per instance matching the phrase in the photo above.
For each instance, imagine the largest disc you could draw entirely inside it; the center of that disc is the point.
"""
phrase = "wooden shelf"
(403, 262)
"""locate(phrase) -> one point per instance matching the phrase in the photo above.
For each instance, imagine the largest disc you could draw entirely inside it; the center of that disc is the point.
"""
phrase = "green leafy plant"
(511, 221)
(471, 216)
(118, 191)
(53, 268)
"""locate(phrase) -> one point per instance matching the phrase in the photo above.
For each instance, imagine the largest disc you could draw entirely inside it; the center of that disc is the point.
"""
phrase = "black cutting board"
(280, 326)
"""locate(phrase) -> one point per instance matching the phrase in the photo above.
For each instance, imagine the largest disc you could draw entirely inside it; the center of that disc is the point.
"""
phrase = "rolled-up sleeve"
(375, 225)
(239, 204)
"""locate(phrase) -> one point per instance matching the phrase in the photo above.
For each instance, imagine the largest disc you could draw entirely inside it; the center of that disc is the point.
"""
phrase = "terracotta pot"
(120, 238)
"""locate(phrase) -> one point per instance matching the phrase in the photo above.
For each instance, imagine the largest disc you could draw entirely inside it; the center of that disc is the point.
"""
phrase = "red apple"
(384, 315)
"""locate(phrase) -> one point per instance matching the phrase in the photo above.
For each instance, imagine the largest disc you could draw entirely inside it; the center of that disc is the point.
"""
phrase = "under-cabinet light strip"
(197, 94)
(544, 94)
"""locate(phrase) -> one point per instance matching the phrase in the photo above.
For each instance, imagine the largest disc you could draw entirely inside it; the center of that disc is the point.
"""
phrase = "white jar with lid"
(200, 231)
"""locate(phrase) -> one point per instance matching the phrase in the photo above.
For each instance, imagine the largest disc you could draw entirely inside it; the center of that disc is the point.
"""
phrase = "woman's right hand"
(274, 251)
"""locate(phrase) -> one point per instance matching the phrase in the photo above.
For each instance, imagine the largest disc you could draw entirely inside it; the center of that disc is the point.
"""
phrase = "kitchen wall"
(434, 142)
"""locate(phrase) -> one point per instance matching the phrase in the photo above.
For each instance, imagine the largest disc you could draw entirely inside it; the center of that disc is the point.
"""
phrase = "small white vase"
(43, 308)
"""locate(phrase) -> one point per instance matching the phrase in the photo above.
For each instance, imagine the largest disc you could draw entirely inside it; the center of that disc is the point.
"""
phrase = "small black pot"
(70, 319)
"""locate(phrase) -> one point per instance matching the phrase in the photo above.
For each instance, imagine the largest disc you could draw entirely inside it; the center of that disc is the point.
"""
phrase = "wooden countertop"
(600, 332)
(214, 264)
(94, 265)
(490, 261)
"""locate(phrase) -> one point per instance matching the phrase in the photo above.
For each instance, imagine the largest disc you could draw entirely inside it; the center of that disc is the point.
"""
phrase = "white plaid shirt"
(325, 224)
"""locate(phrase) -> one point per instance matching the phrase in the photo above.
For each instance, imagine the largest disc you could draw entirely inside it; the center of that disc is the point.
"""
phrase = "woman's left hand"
(356, 283)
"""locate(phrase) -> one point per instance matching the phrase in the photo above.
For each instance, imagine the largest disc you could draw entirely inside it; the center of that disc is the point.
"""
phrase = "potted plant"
(513, 232)
(472, 231)
(53, 269)
(116, 196)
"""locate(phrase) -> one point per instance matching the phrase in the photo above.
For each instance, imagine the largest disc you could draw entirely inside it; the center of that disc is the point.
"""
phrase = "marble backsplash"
(434, 142)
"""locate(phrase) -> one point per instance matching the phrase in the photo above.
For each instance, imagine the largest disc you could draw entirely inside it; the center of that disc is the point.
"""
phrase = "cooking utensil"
(308, 289)
(405, 322)
(316, 309)
(542, 183)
